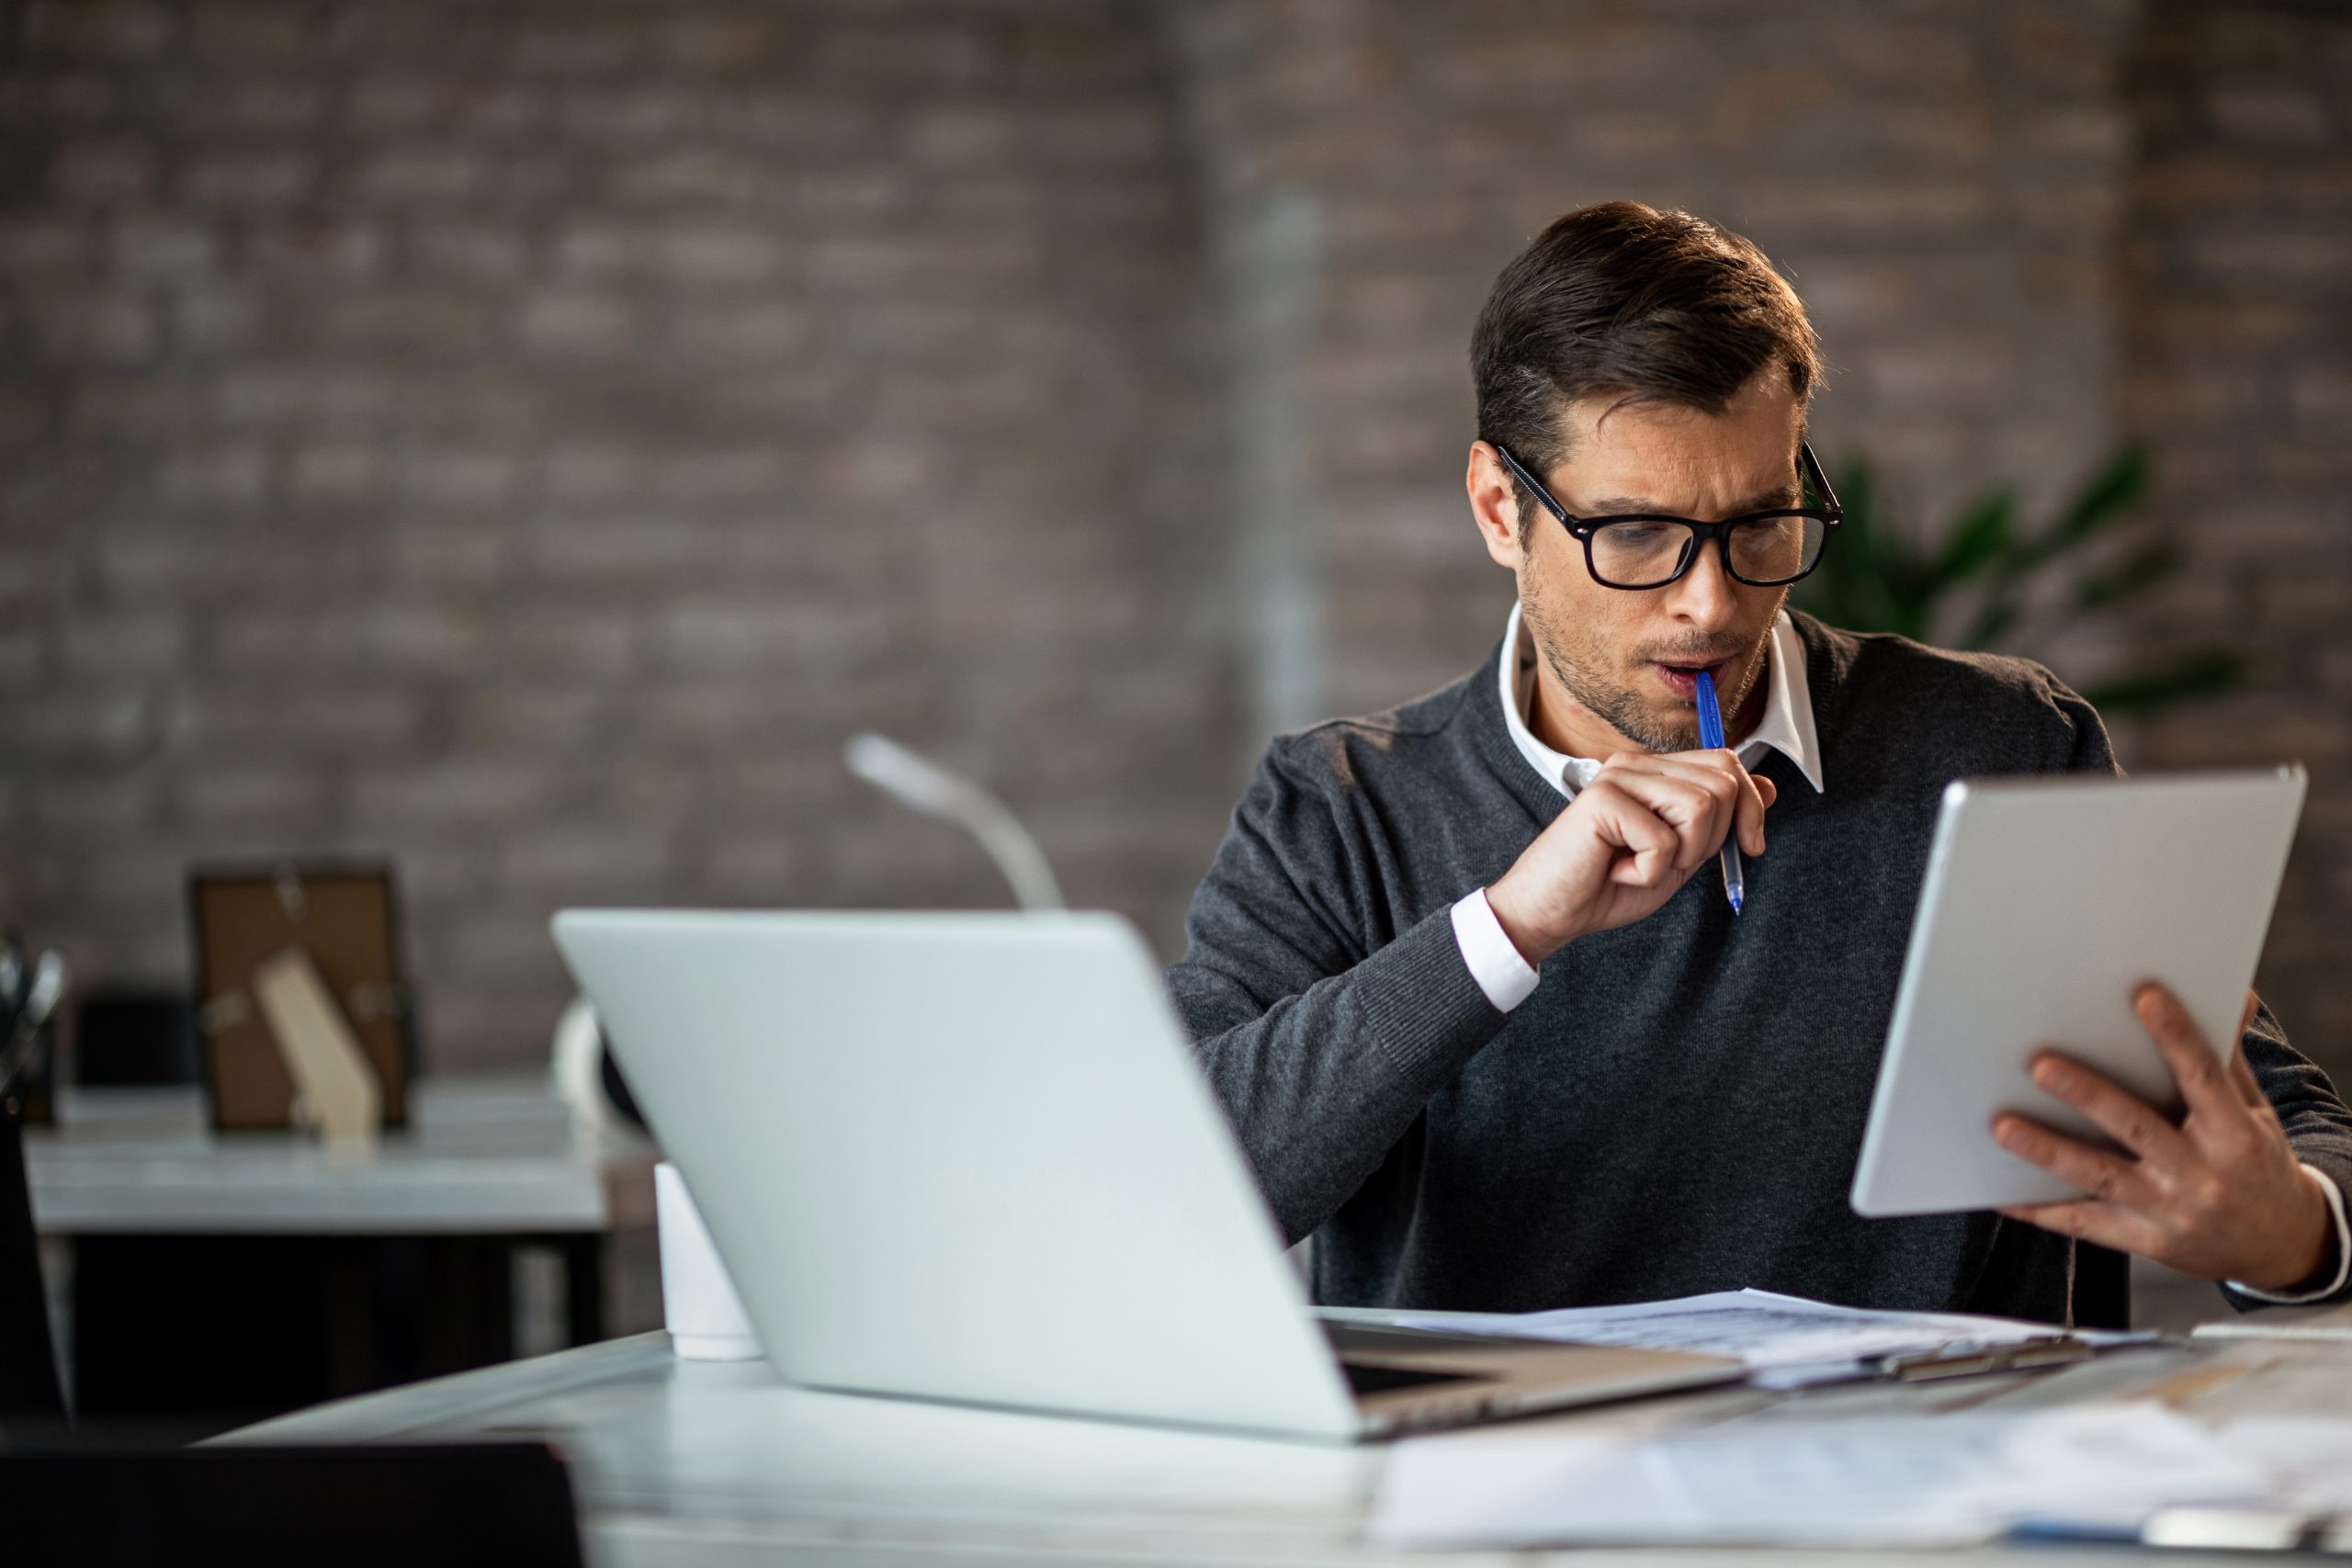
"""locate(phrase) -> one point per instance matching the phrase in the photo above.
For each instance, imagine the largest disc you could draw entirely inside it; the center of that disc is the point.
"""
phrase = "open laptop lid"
(961, 1157)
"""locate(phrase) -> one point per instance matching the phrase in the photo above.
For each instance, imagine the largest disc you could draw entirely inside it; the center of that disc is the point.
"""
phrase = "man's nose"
(1706, 596)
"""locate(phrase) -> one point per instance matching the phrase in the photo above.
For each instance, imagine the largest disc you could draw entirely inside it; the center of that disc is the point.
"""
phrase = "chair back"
(29, 1395)
(124, 1035)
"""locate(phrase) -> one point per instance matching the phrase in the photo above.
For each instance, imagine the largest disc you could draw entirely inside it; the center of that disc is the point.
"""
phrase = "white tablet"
(2047, 902)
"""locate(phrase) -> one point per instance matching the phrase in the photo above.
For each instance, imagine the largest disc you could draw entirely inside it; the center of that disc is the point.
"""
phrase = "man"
(1483, 1027)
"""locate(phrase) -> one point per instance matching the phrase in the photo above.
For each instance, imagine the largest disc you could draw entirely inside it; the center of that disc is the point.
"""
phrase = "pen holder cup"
(699, 1306)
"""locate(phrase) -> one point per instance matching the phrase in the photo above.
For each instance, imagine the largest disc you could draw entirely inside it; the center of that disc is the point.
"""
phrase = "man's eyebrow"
(1621, 505)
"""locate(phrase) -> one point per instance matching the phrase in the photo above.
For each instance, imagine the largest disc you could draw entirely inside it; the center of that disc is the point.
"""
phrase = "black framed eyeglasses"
(1640, 550)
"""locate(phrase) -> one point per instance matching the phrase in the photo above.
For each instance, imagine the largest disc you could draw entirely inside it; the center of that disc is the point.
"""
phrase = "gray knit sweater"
(1677, 1107)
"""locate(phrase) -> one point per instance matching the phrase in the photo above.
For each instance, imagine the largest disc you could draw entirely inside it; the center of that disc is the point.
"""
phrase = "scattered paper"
(2282, 1323)
(2309, 1458)
(1786, 1341)
(1908, 1480)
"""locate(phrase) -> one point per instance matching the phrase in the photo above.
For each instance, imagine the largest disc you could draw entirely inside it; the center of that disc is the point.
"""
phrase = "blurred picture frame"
(344, 918)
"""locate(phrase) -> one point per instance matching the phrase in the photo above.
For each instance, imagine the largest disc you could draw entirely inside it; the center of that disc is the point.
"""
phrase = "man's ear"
(1494, 504)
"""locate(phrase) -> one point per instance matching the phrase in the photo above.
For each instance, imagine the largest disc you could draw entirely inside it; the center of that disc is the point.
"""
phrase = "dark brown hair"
(1655, 307)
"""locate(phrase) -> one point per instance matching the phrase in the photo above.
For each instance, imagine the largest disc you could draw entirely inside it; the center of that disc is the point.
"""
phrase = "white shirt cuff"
(1494, 964)
(2342, 1242)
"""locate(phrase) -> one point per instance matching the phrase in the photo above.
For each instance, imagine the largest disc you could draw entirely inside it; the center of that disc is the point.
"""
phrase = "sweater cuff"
(1424, 1006)
(1493, 958)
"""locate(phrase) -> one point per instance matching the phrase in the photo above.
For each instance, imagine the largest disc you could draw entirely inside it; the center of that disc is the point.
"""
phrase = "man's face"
(1625, 661)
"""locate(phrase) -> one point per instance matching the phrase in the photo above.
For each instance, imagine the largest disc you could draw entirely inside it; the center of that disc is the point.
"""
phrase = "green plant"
(1979, 582)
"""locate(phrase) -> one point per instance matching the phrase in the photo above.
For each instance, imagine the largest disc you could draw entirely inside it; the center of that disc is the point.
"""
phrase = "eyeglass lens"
(1771, 548)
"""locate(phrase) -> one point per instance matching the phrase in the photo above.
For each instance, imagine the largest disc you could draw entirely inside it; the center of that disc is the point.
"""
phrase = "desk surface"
(480, 1156)
(682, 1462)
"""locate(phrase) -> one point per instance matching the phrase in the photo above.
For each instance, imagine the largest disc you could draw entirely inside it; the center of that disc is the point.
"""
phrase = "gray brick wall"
(524, 438)
(2236, 287)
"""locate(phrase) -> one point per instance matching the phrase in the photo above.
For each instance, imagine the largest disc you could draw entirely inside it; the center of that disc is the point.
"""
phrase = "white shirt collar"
(1786, 727)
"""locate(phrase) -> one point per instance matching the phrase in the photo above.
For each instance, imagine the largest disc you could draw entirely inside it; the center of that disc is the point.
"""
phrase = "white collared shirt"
(1787, 728)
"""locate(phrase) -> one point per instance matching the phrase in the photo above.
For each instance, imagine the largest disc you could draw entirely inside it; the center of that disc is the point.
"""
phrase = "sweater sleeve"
(2318, 1125)
(1322, 1046)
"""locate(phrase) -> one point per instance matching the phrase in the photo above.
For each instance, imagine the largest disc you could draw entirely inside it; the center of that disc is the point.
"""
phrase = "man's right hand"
(1628, 840)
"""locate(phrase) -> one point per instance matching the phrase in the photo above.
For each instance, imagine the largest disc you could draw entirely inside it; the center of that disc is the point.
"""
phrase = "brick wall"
(524, 438)
(2236, 300)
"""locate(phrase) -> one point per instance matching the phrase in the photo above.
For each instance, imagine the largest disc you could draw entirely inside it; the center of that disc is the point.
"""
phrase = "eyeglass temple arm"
(1530, 481)
(1820, 478)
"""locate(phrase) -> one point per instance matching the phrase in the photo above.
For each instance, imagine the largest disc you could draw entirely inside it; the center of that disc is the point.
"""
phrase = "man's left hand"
(2218, 1195)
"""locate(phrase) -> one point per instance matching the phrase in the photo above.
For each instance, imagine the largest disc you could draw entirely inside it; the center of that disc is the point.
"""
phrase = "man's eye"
(1637, 535)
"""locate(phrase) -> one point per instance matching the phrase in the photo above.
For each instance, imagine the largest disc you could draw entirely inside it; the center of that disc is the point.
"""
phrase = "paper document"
(2309, 1456)
(2282, 1323)
(1786, 1341)
(1897, 1480)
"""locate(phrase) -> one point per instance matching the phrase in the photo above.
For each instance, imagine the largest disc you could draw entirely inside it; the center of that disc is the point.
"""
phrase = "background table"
(481, 1157)
(294, 1271)
(697, 1463)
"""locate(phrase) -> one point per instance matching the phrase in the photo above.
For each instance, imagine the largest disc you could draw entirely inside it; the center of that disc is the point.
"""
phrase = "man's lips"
(1682, 678)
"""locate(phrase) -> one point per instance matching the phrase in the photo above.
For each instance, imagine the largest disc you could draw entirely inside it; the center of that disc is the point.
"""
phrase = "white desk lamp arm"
(900, 773)
(931, 789)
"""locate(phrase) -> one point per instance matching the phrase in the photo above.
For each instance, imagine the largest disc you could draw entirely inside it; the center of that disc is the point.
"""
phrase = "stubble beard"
(1579, 671)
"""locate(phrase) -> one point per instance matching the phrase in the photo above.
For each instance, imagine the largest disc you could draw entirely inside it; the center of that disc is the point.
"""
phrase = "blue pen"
(1710, 735)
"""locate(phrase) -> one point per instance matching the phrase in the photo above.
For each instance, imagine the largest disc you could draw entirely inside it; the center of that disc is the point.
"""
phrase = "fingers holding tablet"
(2218, 1196)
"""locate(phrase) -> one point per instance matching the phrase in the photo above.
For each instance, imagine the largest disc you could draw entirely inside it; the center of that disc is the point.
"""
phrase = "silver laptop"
(970, 1158)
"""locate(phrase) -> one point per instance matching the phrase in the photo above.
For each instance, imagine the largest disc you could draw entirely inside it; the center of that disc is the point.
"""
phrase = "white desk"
(480, 1156)
(694, 1465)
